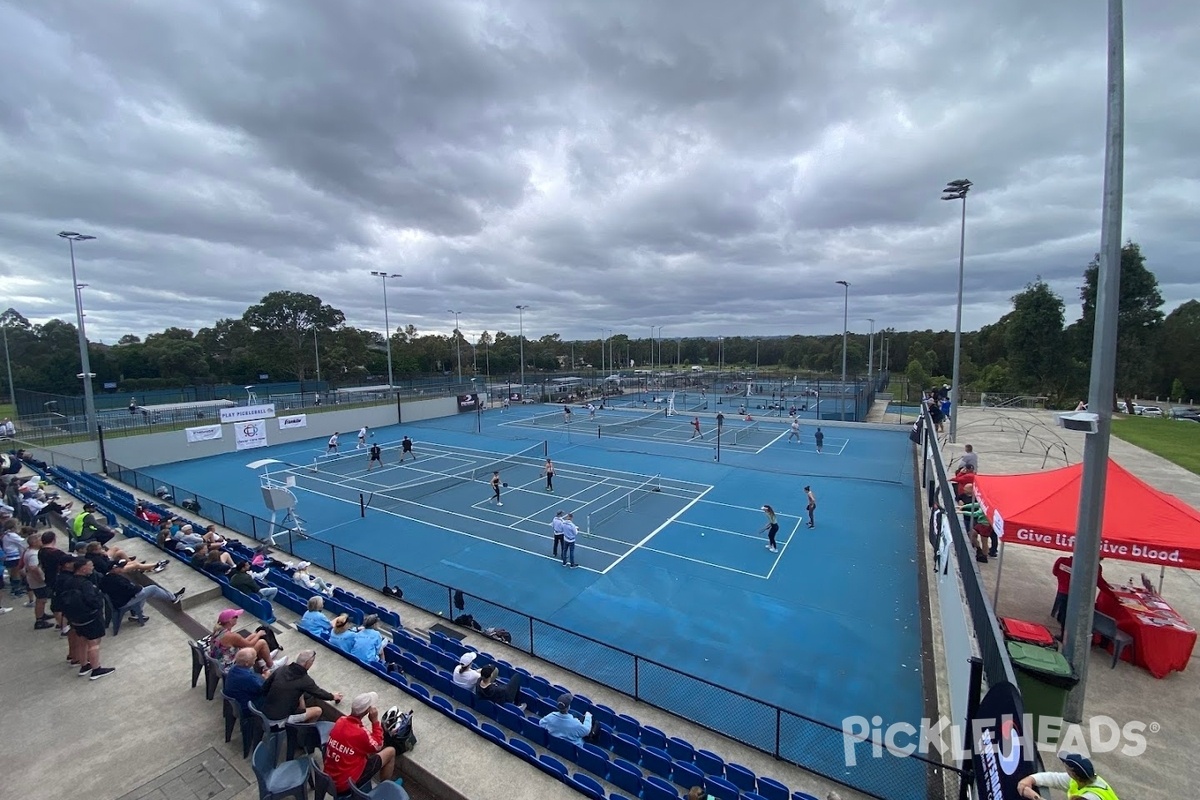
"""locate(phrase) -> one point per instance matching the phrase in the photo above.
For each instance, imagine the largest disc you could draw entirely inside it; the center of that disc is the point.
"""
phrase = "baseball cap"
(564, 701)
(228, 615)
(1079, 763)
(363, 703)
(467, 659)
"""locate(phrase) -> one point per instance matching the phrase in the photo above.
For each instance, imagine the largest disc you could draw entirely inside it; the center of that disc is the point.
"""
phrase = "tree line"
(287, 335)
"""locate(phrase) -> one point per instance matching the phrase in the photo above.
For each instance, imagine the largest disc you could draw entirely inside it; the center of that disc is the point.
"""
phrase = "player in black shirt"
(376, 457)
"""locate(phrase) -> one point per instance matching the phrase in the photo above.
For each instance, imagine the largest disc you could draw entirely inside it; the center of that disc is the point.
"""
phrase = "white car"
(1150, 411)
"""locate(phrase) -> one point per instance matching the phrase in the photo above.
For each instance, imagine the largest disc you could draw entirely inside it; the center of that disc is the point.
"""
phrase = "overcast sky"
(709, 166)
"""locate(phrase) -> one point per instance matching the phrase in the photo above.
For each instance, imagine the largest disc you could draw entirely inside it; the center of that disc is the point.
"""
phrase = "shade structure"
(1141, 523)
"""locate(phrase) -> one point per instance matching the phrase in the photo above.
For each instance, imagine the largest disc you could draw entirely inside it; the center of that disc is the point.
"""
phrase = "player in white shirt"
(557, 526)
(362, 437)
(333, 443)
(795, 434)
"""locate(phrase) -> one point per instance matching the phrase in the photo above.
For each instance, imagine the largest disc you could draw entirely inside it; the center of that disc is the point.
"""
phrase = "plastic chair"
(306, 736)
(627, 725)
(721, 788)
(653, 791)
(593, 759)
(553, 766)
(626, 777)
(527, 752)
(1105, 627)
(232, 711)
(562, 748)
(681, 750)
(272, 732)
(197, 661)
(772, 789)
(710, 763)
(652, 737)
(384, 790)
(289, 779)
(446, 707)
(627, 747)
(804, 796)
(657, 761)
(741, 777)
(466, 717)
(587, 786)
(687, 776)
(212, 676)
(322, 784)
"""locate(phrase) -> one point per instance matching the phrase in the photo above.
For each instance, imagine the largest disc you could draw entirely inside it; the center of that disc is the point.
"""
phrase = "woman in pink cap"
(224, 642)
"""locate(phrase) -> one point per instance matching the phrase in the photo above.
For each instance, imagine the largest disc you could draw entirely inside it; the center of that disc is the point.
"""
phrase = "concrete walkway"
(1010, 441)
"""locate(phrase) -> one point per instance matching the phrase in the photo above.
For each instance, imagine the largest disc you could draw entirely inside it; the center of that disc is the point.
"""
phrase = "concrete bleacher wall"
(172, 446)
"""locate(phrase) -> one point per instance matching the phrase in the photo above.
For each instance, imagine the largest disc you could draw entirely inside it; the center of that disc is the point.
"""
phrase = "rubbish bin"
(1044, 677)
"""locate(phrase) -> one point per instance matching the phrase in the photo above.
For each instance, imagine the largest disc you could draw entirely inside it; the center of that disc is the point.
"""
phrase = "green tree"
(1139, 320)
(918, 376)
(1179, 347)
(1034, 339)
(284, 323)
(1178, 391)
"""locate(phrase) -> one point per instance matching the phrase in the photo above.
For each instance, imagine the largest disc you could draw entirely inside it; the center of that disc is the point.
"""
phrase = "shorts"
(12, 563)
(296, 719)
(370, 770)
(91, 630)
(42, 592)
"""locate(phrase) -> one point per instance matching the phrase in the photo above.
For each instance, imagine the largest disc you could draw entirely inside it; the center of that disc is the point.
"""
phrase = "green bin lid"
(1035, 658)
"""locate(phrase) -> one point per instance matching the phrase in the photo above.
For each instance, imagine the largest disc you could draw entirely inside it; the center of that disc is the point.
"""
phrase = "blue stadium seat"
(687, 776)
(681, 750)
(511, 719)
(710, 763)
(485, 707)
(562, 748)
(527, 752)
(462, 694)
(657, 761)
(444, 705)
(804, 796)
(655, 791)
(539, 686)
(553, 766)
(627, 747)
(466, 717)
(593, 759)
(771, 789)
(652, 737)
(741, 777)
(604, 715)
(534, 732)
(588, 786)
(626, 777)
(721, 788)
(420, 691)
(752, 796)
(627, 725)
(492, 732)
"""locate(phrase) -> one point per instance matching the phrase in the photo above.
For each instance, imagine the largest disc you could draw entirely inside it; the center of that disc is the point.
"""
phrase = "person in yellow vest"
(1080, 780)
(85, 528)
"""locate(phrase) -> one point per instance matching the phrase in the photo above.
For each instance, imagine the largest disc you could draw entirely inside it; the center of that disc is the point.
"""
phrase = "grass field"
(1174, 440)
(6, 411)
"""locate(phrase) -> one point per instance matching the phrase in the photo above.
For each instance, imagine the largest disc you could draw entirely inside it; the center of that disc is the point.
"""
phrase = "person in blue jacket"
(368, 642)
(564, 725)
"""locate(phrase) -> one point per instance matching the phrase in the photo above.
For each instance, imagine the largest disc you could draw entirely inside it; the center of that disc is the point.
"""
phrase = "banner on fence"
(243, 413)
(250, 434)
(293, 421)
(468, 402)
(203, 433)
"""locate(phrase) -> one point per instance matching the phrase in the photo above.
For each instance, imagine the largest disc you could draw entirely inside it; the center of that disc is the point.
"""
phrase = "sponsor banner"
(250, 434)
(514, 397)
(468, 402)
(1001, 753)
(242, 413)
(293, 421)
(204, 433)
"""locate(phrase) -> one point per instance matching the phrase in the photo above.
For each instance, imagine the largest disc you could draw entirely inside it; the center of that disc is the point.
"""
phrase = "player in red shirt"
(696, 428)
(355, 752)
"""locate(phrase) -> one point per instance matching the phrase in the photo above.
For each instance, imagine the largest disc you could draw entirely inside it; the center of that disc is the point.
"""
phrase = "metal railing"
(814, 745)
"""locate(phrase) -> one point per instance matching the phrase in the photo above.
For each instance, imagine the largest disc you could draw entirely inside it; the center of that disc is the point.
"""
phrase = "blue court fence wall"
(815, 745)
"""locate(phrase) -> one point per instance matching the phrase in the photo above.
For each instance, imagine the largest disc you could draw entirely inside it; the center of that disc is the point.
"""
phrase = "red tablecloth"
(1162, 640)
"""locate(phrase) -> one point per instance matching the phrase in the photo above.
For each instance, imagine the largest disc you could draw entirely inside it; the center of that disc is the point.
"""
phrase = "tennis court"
(675, 567)
(737, 433)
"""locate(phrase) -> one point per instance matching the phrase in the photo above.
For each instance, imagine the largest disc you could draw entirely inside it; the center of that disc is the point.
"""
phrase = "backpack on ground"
(398, 730)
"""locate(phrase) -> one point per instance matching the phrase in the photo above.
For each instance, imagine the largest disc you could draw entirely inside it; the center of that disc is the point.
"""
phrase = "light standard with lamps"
(12, 393)
(845, 330)
(457, 343)
(89, 399)
(871, 351)
(957, 190)
(521, 310)
(384, 276)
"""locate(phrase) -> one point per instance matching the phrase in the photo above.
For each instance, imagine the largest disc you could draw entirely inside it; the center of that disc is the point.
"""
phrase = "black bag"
(400, 734)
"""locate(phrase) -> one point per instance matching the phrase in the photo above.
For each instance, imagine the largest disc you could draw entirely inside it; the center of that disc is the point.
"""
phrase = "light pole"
(317, 356)
(457, 343)
(845, 330)
(521, 310)
(660, 352)
(384, 276)
(957, 190)
(871, 351)
(12, 393)
(89, 400)
(609, 369)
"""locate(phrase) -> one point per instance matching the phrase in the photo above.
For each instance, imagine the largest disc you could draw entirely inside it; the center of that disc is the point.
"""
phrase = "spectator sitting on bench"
(214, 560)
(463, 675)
(116, 560)
(314, 620)
(302, 577)
(243, 581)
(564, 725)
(224, 641)
(368, 642)
(87, 526)
(343, 635)
(212, 538)
(187, 537)
(286, 688)
(498, 691)
(125, 595)
(38, 510)
(145, 514)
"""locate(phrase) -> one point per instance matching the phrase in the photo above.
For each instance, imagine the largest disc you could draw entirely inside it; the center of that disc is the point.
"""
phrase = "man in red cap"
(1080, 780)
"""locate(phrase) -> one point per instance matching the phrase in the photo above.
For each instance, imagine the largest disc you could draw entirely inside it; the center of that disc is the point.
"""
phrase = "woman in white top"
(464, 676)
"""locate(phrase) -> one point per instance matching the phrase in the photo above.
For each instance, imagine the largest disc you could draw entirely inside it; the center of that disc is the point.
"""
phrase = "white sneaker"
(5, 610)
(275, 654)
(772, 549)
(499, 504)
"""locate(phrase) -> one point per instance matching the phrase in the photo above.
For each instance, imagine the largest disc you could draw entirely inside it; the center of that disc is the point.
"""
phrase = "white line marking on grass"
(654, 532)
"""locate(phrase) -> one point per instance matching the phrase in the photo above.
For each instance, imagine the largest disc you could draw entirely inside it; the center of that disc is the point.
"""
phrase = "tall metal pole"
(871, 351)
(317, 355)
(457, 343)
(89, 399)
(12, 393)
(957, 190)
(845, 331)
(387, 324)
(1081, 596)
(521, 309)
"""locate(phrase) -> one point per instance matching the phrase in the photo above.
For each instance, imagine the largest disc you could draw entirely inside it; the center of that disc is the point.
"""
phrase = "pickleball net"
(534, 456)
(742, 434)
(630, 424)
(624, 502)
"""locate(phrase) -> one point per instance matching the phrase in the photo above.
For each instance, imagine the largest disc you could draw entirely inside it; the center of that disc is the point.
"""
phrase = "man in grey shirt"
(968, 460)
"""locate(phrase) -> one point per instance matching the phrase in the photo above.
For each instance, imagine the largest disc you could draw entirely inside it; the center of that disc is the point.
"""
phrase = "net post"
(362, 506)
(589, 524)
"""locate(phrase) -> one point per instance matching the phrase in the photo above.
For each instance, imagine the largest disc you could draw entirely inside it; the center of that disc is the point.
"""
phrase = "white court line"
(455, 530)
(700, 561)
(779, 556)
(654, 532)
(736, 533)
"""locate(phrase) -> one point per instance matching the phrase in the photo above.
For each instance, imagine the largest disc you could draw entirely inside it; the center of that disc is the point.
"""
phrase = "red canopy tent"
(1140, 522)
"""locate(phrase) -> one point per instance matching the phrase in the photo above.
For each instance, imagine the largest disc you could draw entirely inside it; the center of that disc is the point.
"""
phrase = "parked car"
(1151, 411)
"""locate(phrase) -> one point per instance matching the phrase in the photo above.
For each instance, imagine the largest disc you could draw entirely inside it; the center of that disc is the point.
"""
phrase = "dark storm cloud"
(710, 167)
